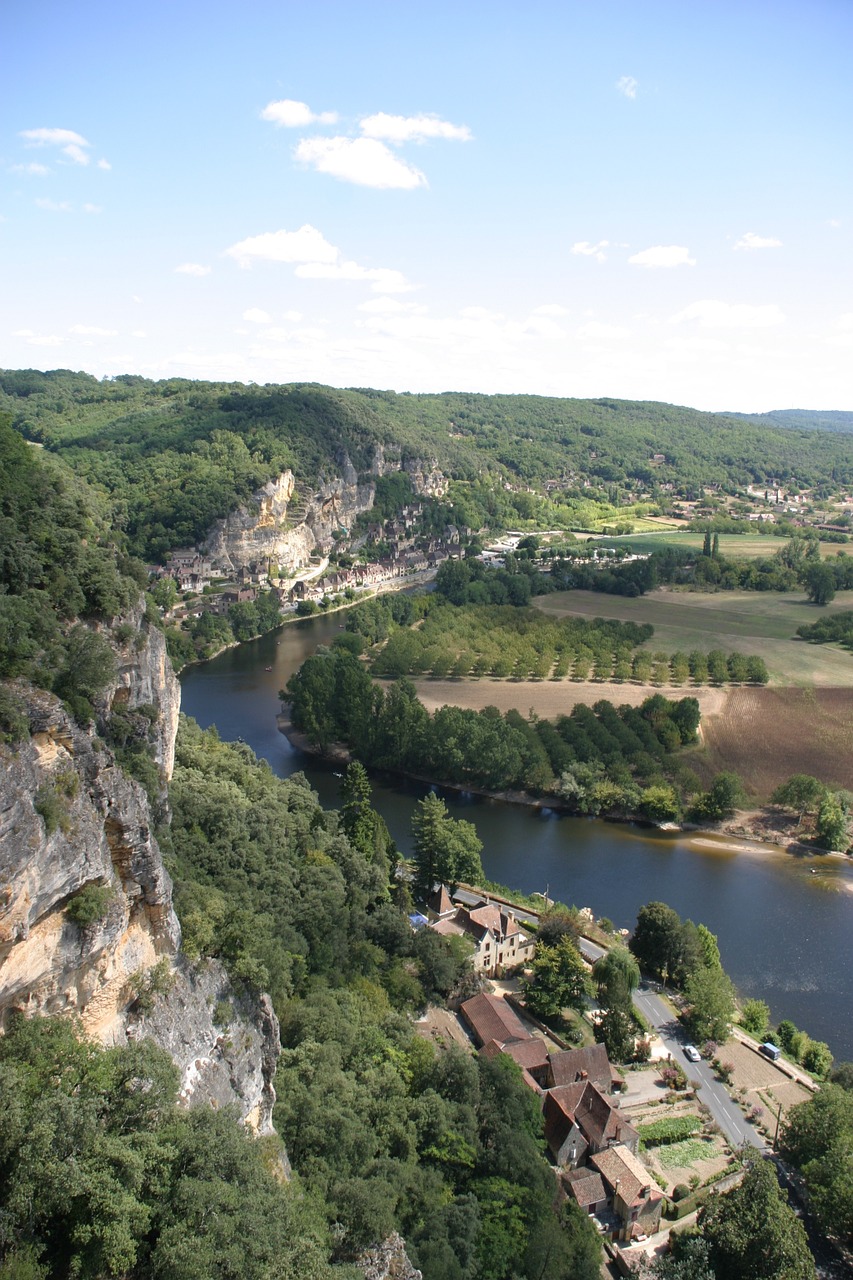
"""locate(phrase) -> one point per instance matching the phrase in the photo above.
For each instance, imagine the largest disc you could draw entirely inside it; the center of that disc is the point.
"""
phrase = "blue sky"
(643, 200)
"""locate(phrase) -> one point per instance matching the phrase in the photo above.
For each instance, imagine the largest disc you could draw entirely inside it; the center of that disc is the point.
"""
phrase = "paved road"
(726, 1113)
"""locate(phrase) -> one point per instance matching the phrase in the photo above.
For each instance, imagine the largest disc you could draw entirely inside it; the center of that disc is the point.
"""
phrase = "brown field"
(768, 734)
(550, 698)
(765, 1085)
(765, 735)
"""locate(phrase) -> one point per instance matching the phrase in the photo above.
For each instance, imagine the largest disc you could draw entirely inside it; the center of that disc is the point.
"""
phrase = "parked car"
(691, 1053)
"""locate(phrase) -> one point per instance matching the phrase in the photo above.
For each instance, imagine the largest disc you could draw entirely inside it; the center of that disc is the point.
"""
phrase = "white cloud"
(835, 223)
(305, 245)
(588, 250)
(550, 309)
(412, 128)
(104, 164)
(138, 333)
(663, 255)
(316, 259)
(54, 206)
(293, 316)
(192, 269)
(92, 208)
(364, 161)
(36, 339)
(256, 316)
(597, 329)
(39, 170)
(92, 331)
(713, 314)
(388, 306)
(628, 86)
(481, 313)
(70, 143)
(384, 279)
(749, 240)
(289, 114)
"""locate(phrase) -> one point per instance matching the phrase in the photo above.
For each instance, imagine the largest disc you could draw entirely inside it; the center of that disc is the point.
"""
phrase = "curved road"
(657, 1013)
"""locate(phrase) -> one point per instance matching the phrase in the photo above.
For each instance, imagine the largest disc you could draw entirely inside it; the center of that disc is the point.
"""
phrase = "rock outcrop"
(87, 926)
(388, 1261)
(286, 531)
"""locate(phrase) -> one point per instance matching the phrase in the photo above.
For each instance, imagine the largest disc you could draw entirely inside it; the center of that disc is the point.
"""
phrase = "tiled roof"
(492, 1019)
(589, 1063)
(586, 1186)
(618, 1164)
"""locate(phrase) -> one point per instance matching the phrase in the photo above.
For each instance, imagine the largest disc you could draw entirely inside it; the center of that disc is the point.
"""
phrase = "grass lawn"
(736, 545)
(759, 622)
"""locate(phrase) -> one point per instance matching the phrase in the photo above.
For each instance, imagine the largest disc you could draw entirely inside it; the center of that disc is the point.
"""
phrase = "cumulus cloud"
(54, 206)
(749, 240)
(412, 128)
(383, 279)
(38, 339)
(289, 114)
(364, 161)
(104, 164)
(663, 255)
(710, 313)
(192, 269)
(628, 86)
(70, 143)
(38, 170)
(305, 245)
(92, 208)
(588, 250)
(256, 316)
(92, 331)
(597, 329)
(314, 259)
(388, 306)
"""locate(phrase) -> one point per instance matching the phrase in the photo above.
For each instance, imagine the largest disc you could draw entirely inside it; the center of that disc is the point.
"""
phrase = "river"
(783, 922)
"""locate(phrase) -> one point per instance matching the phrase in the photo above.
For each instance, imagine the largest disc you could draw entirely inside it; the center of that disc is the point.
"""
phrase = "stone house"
(580, 1121)
(633, 1195)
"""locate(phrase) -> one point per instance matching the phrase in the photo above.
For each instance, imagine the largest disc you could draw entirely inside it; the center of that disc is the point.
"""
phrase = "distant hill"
(173, 456)
(804, 419)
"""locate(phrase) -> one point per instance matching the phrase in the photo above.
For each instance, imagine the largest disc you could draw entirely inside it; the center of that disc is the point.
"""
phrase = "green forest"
(173, 456)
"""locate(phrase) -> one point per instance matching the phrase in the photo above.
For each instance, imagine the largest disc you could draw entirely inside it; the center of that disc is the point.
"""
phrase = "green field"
(758, 622)
(737, 545)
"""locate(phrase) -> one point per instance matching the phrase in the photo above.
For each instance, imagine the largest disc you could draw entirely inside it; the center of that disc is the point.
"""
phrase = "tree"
(711, 995)
(801, 792)
(752, 1231)
(447, 849)
(656, 939)
(557, 981)
(755, 1018)
(616, 966)
(817, 1137)
(832, 826)
(819, 581)
(723, 797)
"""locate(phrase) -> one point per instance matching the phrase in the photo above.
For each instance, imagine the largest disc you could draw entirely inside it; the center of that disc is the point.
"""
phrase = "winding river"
(783, 922)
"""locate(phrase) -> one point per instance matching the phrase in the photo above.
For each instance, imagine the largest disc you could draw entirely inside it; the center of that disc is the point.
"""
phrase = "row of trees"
(830, 810)
(598, 759)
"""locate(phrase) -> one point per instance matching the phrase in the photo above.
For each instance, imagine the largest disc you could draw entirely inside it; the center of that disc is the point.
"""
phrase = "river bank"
(750, 830)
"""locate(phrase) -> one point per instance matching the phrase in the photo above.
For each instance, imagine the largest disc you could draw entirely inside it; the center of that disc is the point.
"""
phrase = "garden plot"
(756, 1082)
(689, 1160)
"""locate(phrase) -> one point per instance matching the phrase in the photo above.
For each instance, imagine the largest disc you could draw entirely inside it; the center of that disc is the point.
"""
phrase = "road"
(657, 1013)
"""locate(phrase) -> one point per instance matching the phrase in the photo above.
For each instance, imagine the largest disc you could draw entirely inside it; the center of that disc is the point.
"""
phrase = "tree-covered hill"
(808, 419)
(177, 454)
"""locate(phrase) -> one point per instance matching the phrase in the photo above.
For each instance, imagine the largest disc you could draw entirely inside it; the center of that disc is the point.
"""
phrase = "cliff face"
(76, 833)
(275, 528)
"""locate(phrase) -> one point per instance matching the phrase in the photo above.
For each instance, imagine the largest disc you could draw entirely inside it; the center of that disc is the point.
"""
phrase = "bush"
(89, 905)
(14, 725)
(50, 809)
(680, 1191)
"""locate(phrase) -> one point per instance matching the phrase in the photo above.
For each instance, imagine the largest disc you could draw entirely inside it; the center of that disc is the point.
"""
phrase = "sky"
(648, 201)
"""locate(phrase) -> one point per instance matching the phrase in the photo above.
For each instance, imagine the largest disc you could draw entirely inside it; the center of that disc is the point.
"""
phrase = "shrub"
(50, 809)
(89, 905)
(680, 1191)
(14, 725)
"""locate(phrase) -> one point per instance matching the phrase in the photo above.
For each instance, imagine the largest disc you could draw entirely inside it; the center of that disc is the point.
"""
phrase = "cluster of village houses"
(591, 1143)
(403, 553)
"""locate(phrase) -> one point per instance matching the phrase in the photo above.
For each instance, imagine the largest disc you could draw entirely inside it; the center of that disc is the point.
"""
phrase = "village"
(639, 1149)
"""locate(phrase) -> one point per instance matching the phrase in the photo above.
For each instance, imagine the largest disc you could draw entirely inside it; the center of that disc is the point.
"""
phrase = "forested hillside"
(175, 455)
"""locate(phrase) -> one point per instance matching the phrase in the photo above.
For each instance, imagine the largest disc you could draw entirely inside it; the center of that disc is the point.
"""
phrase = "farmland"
(752, 621)
(734, 545)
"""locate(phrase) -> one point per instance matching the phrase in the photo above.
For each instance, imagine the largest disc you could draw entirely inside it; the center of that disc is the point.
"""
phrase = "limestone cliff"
(87, 926)
(286, 531)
